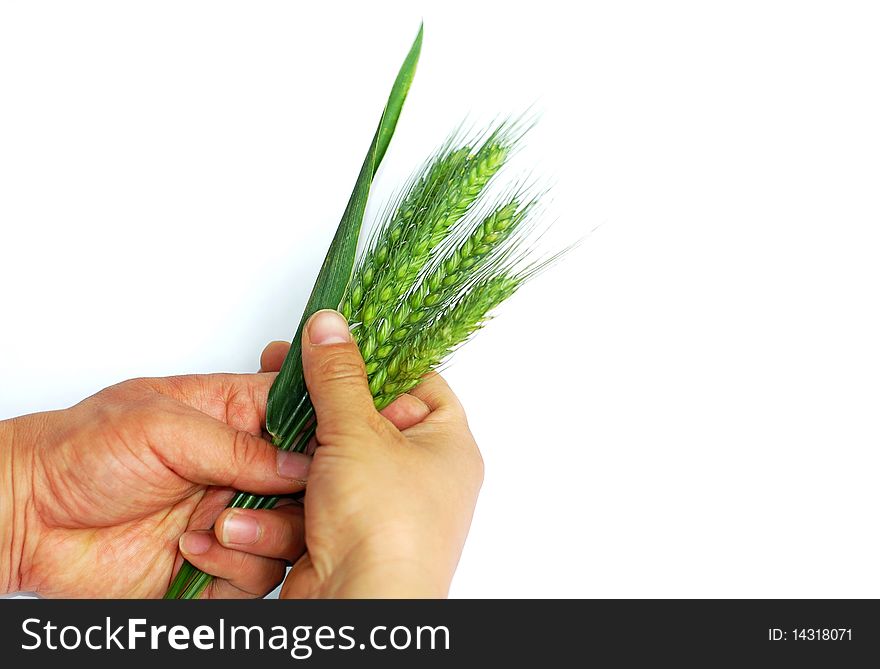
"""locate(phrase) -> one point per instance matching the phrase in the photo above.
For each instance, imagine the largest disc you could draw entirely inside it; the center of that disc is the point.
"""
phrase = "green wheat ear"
(449, 329)
(440, 284)
(438, 197)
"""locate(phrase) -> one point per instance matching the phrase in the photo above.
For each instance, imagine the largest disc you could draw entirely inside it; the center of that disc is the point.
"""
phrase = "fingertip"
(271, 533)
(293, 466)
(327, 327)
(273, 356)
(406, 411)
(237, 571)
(195, 542)
(335, 375)
(235, 528)
(435, 392)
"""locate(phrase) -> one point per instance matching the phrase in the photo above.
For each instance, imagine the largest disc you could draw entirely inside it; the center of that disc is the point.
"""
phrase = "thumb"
(335, 376)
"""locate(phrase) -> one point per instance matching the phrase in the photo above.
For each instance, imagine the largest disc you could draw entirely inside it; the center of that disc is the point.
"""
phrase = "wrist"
(391, 567)
(392, 580)
(14, 493)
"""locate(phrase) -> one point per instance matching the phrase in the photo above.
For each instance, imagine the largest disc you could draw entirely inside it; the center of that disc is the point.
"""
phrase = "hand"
(95, 497)
(387, 508)
(277, 534)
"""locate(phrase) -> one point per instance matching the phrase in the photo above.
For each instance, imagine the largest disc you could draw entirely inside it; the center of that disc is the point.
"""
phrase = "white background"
(687, 406)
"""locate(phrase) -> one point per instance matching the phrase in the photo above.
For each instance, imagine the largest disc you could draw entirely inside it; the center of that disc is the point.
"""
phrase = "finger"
(208, 452)
(236, 399)
(300, 580)
(275, 533)
(252, 575)
(448, 416)
(436, 394)
(406, 411)
(213, 501)
(220, 588)
(273, 356)
(335, 376)
(311, 445)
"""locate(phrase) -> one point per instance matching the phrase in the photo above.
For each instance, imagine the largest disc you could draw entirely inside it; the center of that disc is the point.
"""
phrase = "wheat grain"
(437, 200)
(443, 283)
(425, 351)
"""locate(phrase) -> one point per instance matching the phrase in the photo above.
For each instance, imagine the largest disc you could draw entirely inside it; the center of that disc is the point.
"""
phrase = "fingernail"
(293, 465)
(239, 528)
(195, 543)
(328, 327)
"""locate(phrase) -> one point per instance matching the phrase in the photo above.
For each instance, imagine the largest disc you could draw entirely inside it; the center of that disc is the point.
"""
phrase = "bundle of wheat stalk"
(445, 253)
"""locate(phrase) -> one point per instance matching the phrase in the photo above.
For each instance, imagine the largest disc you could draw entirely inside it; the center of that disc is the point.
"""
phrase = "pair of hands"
(101, 500)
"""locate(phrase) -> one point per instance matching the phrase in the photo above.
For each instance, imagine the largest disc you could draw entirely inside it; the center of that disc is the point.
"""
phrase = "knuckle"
(239, 562)
(479, 467)
(246, 451)
(139, 385)
(129, 419)
(376, 423)
(341, 365)
(241, 410)
(279, 539)
(131, 390)
(273, 575)
(368, 426)
(459, 410)
(175, 386)
(473, 459)
(341, 432)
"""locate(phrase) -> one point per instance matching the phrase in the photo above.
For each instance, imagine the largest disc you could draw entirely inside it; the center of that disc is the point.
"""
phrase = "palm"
(128, 559)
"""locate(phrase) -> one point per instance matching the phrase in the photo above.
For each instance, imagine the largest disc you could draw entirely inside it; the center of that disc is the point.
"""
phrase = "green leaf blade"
(287, 391)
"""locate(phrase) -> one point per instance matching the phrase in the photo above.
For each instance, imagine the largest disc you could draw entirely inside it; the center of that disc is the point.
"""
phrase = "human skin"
(387, 511)
(94, 499)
